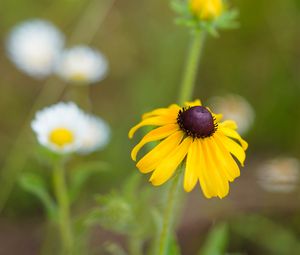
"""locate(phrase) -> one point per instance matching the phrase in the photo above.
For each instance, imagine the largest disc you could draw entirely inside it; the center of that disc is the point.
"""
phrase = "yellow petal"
(154, 121)
(167, 167)
(232, 165)
(194, 169)
(229, 124)
(219, 160)
(218, 117)
(220, 181)
(206, 183)
(233, 134)
(234, 148)
(224, 160)
(152, 159)
(154, 135)
(190, 175)
(171, 110)
(193, 103)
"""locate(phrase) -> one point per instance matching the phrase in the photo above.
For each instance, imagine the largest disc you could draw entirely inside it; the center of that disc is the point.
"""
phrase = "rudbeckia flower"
(194, 135)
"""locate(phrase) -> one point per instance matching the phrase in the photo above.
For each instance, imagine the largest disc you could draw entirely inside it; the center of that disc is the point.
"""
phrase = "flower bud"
(206, 9)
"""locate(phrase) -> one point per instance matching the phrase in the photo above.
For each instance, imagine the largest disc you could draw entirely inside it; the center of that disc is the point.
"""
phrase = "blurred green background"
(146, 51)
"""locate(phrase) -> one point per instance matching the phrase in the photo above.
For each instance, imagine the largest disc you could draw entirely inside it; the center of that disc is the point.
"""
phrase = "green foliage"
(113, 213)
(35, 184)
(217, 241)
(124, 211)
(130, 212)
(226, 21)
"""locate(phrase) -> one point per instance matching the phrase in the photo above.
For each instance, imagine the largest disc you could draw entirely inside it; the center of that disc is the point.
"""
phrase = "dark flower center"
(197, 122)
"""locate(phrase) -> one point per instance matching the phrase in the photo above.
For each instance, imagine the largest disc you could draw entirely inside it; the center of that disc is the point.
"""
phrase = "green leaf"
(228, 20)
(217, 241)
(35, 184)
(82, 173)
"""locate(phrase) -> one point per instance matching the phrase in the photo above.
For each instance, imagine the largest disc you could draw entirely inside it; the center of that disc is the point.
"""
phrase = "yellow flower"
(195, 133)
(206, 9)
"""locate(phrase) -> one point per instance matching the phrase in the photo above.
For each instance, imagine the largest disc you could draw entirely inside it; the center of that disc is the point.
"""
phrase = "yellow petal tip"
(130, 134)
(187, 189)
(133, 157)
(154, 181)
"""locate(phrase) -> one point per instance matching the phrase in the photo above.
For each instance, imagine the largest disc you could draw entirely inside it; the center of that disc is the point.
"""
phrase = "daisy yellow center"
(196, 122)
(79, 77)
(61, 136)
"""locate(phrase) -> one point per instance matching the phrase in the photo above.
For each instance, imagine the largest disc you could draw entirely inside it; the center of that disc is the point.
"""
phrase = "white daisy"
(60, 127)
(279, 175)
(234, 107)
(34, 46)
(82, 65)
(96, 134)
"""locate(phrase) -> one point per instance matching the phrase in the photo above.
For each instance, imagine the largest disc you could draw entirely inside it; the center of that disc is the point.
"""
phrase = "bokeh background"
(260, 61)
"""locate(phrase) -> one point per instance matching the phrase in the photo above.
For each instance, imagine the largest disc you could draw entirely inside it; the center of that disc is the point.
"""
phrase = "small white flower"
(279, 175)
(82, 65)
(96, 134)
(34, 47)
(234, 107)
(60, 127)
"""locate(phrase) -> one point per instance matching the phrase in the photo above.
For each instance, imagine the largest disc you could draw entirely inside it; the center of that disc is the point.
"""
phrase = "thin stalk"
(168, 216)
(186, 92)
(61, 193)
(191, 68)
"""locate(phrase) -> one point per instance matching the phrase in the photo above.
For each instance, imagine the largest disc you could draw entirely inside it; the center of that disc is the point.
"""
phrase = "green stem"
(191, 68)
(168, 216)
(61, 194)
(186, 92)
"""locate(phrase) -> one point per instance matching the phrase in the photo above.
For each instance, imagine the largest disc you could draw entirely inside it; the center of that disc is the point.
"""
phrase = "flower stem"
(186, 92)
(191, 69)
(168, 216)
(61, 194)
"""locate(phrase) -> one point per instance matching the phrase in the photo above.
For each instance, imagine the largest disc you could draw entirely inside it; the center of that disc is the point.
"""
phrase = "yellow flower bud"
(206, 9)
